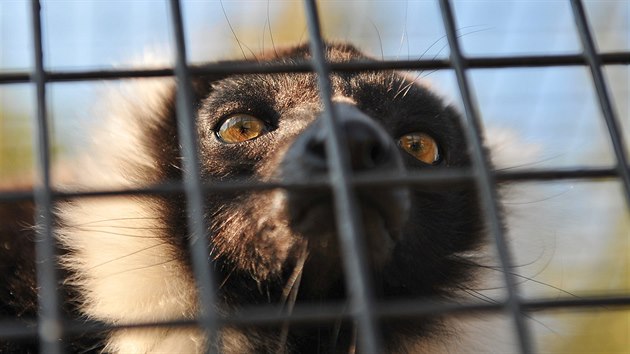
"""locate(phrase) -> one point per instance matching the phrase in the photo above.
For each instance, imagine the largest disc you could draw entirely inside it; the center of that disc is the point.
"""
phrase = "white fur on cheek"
(118, 247)
(121, 259)
(161, 340)
(128, 273)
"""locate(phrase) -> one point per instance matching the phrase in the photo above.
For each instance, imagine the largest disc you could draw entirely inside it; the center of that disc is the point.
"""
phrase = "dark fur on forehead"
(335, 52)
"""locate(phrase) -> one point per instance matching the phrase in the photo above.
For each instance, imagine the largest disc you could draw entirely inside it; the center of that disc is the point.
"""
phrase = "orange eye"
(421, 146)
(241, 127)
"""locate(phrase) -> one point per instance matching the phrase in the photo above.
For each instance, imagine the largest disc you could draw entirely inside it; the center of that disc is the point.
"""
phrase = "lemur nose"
(368, 145)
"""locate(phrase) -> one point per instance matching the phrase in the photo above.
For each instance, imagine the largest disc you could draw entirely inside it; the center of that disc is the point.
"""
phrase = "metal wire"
(363, 308)
(485, 180)
(49, 314)
(348, 222)
(239, 67)
(594, 62)
(326, 312)
(198, 239)
(432, 178)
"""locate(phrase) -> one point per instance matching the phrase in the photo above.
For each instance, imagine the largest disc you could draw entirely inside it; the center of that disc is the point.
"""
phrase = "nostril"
(378, 154)
(367, 151)
(315, 155)
(367, 146)
(367, 154)
(317, 149)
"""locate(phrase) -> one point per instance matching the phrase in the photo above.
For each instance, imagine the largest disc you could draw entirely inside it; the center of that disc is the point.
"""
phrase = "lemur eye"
(421, 146)
(241, 127)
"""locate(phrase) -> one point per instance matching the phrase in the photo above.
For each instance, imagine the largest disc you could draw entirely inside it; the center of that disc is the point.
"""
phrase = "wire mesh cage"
(362, 309)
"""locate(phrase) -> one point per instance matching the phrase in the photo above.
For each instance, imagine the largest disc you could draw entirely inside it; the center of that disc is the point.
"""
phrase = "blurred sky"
(539, 117)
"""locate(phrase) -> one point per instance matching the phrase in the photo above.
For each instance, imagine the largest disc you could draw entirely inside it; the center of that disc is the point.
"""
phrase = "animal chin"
(381, 222)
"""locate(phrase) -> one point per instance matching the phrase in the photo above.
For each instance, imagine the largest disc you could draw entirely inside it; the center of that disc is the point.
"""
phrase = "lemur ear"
(201, 85)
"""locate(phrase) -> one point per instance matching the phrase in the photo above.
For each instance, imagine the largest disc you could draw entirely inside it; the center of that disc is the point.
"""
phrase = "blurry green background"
(569, 235)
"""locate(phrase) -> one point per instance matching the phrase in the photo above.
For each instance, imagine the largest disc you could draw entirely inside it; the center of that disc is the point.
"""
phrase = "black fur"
(255, 248)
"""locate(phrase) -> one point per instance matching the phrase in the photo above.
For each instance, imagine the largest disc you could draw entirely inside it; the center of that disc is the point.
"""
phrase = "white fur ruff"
(126, 271)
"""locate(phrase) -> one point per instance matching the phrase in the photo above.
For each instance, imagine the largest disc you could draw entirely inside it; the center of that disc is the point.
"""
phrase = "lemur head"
(269, 127)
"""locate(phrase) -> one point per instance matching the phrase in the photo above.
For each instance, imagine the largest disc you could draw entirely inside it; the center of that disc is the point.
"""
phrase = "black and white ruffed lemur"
(125, 259)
